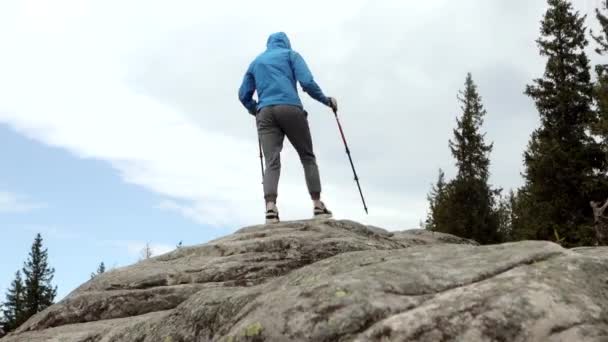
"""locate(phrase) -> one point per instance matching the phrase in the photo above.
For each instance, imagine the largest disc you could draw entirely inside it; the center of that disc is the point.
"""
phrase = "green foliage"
(436, 200)
(601, 98)
(601, 87)
(562, 159)
(468, 147)
(26, 297)
(465, 206)
(558, 239)
(506, 215)
(39, 293)
(602, 38)
(13, 311)
(100, 269)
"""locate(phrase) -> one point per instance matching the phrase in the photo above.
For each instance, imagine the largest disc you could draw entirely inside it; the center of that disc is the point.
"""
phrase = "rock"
(340, 281)
(415, 237)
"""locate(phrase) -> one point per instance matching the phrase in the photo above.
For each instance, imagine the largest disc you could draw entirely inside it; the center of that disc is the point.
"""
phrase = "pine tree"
(14, 310)
(469, 148)
(436, 203)
(601, 87)
(562, 157)
(602, 38)
(465, 206)
(2, 320)
(471, 207)
(101, 269)
(39, 292)
(146, 252)
(506, 216)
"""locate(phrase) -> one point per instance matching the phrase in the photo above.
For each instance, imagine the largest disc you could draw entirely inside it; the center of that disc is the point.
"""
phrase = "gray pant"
(274, 123)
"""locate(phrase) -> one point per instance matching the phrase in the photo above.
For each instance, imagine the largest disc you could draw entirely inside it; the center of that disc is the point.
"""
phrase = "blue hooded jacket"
(274, 74)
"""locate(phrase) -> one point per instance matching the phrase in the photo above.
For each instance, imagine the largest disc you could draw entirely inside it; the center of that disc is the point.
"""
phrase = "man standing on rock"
(279, 113)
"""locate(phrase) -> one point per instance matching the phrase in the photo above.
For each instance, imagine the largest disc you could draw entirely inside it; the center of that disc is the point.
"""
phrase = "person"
(279, 113)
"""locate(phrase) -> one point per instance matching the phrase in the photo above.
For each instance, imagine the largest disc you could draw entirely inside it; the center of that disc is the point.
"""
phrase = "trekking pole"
(351, 160)
(261, 159)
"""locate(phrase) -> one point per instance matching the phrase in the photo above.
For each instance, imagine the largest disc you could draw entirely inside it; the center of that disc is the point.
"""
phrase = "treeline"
(32, 290)
(566, 164)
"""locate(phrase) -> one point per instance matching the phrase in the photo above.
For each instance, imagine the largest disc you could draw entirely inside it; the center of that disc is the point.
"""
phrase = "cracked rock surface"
(340, 281)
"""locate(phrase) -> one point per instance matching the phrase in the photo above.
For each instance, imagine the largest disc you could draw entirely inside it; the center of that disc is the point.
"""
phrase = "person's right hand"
(333, 103)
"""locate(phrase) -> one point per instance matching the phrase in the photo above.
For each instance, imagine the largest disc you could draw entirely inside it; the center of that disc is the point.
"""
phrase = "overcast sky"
(147, 91)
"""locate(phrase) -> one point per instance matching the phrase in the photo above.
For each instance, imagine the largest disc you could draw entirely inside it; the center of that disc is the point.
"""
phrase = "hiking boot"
(321, 212)
(272, 215)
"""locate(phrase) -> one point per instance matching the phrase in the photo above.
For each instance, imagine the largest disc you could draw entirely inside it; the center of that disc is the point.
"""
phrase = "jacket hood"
(278, 40)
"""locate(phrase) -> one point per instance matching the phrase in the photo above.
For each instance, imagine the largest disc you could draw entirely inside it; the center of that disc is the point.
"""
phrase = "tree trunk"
(600, 223)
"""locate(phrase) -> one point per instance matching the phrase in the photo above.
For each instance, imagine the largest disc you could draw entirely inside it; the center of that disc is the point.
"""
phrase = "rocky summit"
(339, 281)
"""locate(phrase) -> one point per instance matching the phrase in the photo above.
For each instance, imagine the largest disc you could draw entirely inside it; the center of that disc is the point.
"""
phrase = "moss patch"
(253, 329)
(341, 293)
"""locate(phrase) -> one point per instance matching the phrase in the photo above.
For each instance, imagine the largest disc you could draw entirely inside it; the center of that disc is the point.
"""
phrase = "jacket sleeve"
(304, 76)
(246, 92)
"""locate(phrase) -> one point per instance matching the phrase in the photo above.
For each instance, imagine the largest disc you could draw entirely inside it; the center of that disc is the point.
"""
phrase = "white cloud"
(183, 209)
(14, 203)
(150, 87)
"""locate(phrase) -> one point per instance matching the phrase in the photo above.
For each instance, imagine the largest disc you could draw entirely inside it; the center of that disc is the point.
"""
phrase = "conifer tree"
(471, 200)
(465, 206)
(468, 147)
(13, 311)
(101, 269)
(601, 87)
(562, 159)
(39, 292)
(146, 252)
(602, 37)
(2, 320)
(506, 216)
(436, 200)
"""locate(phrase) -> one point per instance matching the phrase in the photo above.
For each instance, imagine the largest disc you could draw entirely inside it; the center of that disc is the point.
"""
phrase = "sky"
(120, 124)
